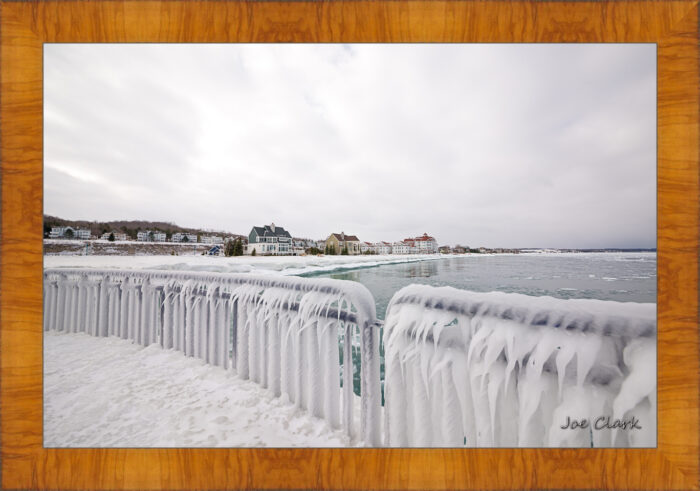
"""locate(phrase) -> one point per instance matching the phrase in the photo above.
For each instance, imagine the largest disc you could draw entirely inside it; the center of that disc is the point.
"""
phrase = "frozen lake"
(623, 277)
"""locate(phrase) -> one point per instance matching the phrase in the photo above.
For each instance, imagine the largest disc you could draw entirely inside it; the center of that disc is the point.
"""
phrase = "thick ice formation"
(281, 332)
(462, 368)
(497, 369)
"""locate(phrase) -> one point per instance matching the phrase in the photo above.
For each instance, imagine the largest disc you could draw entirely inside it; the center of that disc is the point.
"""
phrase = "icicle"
(263, 341)
(168, 318)
(138, 325)
(50, 311)
(124, 308)
(348, 396)
(274, 358)
(637, 395)
(479, 397)
(224, 333)
(189, 318)
(73, 307)
(201, 323)
(181, 320)
(111, 311)
(102, 307)
(47, 305)
(566, 353)
(421, 405)
(61, 315)
(131, 324)
(143, 305)
(214, 324)
(452, 430)
(242, 339)
(496, 377)
(395, 389)
(315, 371)
(288, 354)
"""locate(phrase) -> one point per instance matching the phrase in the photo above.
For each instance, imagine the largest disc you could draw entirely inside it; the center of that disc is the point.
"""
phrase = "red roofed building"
(400, 248)
(382, 247)
(367, 247)
(424, 244)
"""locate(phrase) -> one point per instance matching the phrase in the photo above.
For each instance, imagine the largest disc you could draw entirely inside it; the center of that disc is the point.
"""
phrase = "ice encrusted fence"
(496, 369)
(461, 368)
(281, 332)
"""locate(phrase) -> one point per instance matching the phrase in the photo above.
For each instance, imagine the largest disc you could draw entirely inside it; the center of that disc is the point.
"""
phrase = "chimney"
(272, 227)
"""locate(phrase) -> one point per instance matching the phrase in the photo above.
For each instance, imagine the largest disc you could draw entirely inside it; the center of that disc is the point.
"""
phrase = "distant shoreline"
(99, 247)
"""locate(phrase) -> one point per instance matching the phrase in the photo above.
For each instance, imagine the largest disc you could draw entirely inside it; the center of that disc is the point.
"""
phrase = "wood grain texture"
(25, 26)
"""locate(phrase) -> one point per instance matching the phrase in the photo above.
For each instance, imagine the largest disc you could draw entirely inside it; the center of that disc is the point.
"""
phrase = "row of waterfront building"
(270, 240)
(276, 241)
(141, 236)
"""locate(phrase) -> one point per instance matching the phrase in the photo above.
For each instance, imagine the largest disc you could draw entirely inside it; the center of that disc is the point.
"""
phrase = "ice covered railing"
(502, 369)
(286, 333)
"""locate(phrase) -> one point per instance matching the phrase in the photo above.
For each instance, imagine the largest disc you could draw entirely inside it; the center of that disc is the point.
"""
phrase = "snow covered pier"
(281, 332)
(498, 369)
(461, 368)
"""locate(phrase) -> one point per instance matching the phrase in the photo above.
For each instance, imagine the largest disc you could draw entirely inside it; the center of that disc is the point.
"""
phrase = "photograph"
(349, 245)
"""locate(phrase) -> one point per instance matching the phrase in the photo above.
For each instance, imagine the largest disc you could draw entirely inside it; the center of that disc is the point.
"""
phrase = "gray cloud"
(495, 145)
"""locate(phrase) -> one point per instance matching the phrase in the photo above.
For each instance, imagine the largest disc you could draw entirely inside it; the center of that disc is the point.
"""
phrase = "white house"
(269, 240)
(117, 236)
(180, 237)
(301, 245)
(150, 236)
(367, 247)
(211, 239)
(382, 247)
(400, 248)
(69, 233)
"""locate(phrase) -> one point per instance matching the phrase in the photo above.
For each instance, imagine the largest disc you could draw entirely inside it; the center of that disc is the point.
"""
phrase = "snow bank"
(287, 265)
(108, 392)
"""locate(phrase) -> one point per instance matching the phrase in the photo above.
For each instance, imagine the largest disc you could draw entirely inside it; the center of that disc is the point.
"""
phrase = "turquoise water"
(624, 277)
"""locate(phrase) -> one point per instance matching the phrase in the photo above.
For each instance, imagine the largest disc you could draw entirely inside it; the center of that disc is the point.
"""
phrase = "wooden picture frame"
(25, 26)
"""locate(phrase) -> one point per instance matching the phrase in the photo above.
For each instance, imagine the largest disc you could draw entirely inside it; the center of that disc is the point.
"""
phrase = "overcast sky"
(482, 145)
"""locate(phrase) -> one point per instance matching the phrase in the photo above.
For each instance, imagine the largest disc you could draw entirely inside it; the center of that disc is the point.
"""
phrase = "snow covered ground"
(108, 392)
(288, 265)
